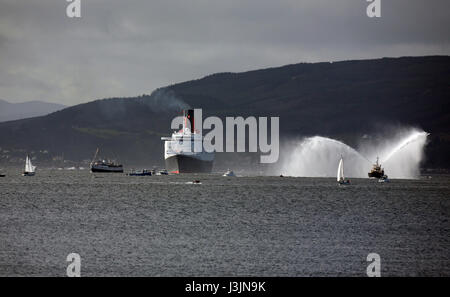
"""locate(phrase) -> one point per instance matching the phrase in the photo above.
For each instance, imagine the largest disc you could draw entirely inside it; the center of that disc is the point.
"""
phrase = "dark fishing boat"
(105, 166)
(377, 171)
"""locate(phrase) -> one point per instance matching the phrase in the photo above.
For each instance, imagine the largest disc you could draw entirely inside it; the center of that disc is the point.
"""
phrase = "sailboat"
(30, 170)
(340, 174)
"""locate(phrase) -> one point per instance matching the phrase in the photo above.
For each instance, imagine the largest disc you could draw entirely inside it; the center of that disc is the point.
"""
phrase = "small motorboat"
(196, 182)
(2, 175)
(384, 179)
(144, 172)
(163, 172)
(229, 173)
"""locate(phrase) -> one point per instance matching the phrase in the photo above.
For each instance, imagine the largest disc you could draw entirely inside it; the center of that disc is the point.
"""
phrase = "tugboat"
(377, 171)
(105, 166)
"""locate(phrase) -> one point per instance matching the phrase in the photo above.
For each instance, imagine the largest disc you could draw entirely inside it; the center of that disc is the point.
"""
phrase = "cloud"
(125, 48)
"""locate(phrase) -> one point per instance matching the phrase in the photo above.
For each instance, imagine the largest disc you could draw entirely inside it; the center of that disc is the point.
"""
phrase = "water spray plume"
(401, 154)
(319, 156)
(414, 137)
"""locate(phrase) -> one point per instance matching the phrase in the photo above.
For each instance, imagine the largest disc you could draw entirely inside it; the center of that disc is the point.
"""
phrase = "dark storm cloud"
(125, 48)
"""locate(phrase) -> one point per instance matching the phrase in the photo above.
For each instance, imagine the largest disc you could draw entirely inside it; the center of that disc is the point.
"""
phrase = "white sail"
(340, 172)
(28, 166)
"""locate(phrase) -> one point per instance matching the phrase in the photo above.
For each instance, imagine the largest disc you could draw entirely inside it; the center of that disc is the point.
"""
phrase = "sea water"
(226, 226)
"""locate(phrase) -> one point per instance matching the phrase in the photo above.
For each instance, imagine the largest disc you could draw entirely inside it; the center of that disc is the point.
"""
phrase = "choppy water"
(246, 226)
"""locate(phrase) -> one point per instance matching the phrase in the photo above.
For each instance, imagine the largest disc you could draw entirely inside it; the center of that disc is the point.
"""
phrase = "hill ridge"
(344, 99)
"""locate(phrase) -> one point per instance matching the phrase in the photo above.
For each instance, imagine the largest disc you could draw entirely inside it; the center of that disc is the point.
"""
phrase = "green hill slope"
(341, 99)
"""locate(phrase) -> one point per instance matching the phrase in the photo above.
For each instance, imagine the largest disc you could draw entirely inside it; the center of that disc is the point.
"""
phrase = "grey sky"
(127, 48)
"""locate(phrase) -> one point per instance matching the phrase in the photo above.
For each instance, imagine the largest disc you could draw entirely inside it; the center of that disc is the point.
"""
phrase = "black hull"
(105, 170)
(140, 174)
(376, 174)
(185, 164)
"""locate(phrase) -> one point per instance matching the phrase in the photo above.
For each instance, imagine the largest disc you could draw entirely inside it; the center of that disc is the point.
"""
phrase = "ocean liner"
(179, 154)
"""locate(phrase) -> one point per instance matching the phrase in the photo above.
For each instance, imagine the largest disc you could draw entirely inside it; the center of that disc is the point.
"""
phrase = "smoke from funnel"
(164, 100)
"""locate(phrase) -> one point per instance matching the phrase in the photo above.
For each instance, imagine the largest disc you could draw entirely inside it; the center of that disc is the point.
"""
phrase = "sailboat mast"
(95, 156)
